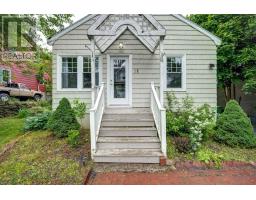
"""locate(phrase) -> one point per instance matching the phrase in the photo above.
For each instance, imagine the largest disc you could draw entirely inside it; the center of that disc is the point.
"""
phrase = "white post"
(162, 75)
(93, 70)
(92, 133)
(163, 132)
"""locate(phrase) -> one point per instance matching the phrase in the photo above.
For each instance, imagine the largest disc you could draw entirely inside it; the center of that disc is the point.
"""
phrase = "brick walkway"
(238, 175)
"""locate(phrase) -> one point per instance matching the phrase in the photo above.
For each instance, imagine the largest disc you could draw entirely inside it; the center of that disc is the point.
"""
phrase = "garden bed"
(39, 158)
(228, 153)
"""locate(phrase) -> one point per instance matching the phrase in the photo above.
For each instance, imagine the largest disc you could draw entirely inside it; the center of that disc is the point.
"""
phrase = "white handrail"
(159, 117)
(96, 114)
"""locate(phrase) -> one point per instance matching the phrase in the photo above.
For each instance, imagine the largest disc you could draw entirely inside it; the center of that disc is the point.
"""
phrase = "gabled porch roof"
(109, 27)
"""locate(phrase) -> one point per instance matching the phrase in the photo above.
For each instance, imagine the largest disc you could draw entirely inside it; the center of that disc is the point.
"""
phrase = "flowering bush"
(182, 119)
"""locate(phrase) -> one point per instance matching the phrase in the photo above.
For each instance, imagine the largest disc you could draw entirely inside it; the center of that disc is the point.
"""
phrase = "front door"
(119, 86)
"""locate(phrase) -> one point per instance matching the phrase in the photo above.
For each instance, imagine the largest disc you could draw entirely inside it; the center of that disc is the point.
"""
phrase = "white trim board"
(215, 39)
(71, 27)
(129, 80)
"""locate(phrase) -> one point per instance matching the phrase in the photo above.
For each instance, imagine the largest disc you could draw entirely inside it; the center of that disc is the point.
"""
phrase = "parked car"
(18, 90)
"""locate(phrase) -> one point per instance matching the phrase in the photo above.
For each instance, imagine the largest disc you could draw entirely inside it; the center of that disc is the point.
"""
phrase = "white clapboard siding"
(181, 38)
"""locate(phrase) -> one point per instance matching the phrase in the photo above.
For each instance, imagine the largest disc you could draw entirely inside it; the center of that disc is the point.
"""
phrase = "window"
(87, 72)
(174, 69)
(5, 75)
(69, 72)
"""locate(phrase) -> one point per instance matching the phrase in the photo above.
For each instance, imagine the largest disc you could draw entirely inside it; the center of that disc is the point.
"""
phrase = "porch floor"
(128, 135)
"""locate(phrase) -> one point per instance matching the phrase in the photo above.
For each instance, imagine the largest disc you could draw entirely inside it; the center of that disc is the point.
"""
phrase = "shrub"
(73, 137)
(37, 122)
(23, 113)
(63, 119)
(79, 109)
(183, 119)
(182, 144)
(234, 128)
(207, 156)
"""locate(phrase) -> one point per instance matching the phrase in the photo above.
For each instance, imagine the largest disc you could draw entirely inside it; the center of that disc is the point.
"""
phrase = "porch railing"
(96, 114)
(159, 116)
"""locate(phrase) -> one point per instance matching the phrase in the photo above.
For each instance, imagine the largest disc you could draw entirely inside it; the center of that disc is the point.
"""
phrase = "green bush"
(182, 144)
(234, 128)
(79, 109)
(73, 137)
(207, 156)
(37, 122)
(183, 119)
(23, 113)
(63, 119)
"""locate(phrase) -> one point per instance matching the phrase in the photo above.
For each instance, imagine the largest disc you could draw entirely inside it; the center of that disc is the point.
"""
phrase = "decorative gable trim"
(160, 31)
(51, 41)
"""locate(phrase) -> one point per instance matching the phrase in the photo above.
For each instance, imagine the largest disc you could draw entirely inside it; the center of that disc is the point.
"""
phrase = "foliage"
(207, 156)
(23, 113)
(249, 86)
(79, 108)
(63, 119)
(37, 122)
(182, 144)
(184, 120)
(237, 53)
(73, 137)
(39, 158)
(234, 128)
(10, 128)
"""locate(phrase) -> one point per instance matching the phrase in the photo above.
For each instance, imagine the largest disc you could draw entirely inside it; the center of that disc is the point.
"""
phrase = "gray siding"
(200, 51)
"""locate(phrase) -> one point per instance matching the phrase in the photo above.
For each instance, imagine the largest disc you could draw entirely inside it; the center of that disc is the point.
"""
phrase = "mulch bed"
(186, 173)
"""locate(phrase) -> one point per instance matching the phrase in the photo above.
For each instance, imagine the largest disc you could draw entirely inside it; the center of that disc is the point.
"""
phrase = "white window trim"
(10, 73)
(79, 72)
(130, 69)
(184, 73)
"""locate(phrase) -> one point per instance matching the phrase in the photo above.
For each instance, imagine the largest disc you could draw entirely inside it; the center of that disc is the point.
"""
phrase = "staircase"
(128, 136)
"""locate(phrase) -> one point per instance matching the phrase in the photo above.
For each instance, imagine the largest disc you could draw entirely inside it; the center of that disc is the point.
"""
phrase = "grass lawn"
(40, 158)
(9, 129)
(228, 153)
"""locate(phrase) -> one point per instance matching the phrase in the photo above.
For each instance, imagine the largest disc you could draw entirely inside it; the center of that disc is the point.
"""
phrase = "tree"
(237, 53)
(48, 25)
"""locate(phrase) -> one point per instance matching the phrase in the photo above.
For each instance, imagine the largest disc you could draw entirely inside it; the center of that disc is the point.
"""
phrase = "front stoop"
(128, 136)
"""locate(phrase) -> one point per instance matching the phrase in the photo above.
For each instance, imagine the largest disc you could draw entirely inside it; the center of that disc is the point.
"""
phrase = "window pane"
(97, 79)
(174, 80)
(69, 80)
(87, 80)
(6, 76)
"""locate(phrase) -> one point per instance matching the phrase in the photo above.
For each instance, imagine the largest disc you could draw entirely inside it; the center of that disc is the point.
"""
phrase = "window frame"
(2, 76)
(79, 72)
(183, 73)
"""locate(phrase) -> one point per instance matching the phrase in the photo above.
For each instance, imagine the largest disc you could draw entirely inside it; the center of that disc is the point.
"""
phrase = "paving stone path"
(185, 174)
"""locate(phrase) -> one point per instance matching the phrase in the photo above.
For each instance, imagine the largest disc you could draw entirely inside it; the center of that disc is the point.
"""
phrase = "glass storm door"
(119, 81)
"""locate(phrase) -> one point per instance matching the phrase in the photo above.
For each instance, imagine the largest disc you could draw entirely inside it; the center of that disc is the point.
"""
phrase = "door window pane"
(119, 78)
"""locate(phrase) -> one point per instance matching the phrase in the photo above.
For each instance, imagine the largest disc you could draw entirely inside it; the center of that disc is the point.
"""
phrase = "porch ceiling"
(108, 28)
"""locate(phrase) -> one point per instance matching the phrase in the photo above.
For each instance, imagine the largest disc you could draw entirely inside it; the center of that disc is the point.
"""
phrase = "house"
(122, 66)
(20, 74)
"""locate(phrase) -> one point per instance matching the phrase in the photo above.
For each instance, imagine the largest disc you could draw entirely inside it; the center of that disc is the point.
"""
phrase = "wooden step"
(128, 142)
(128, 117)
(127, 123)
(128, 131)
(127, 110)
(128, 155)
